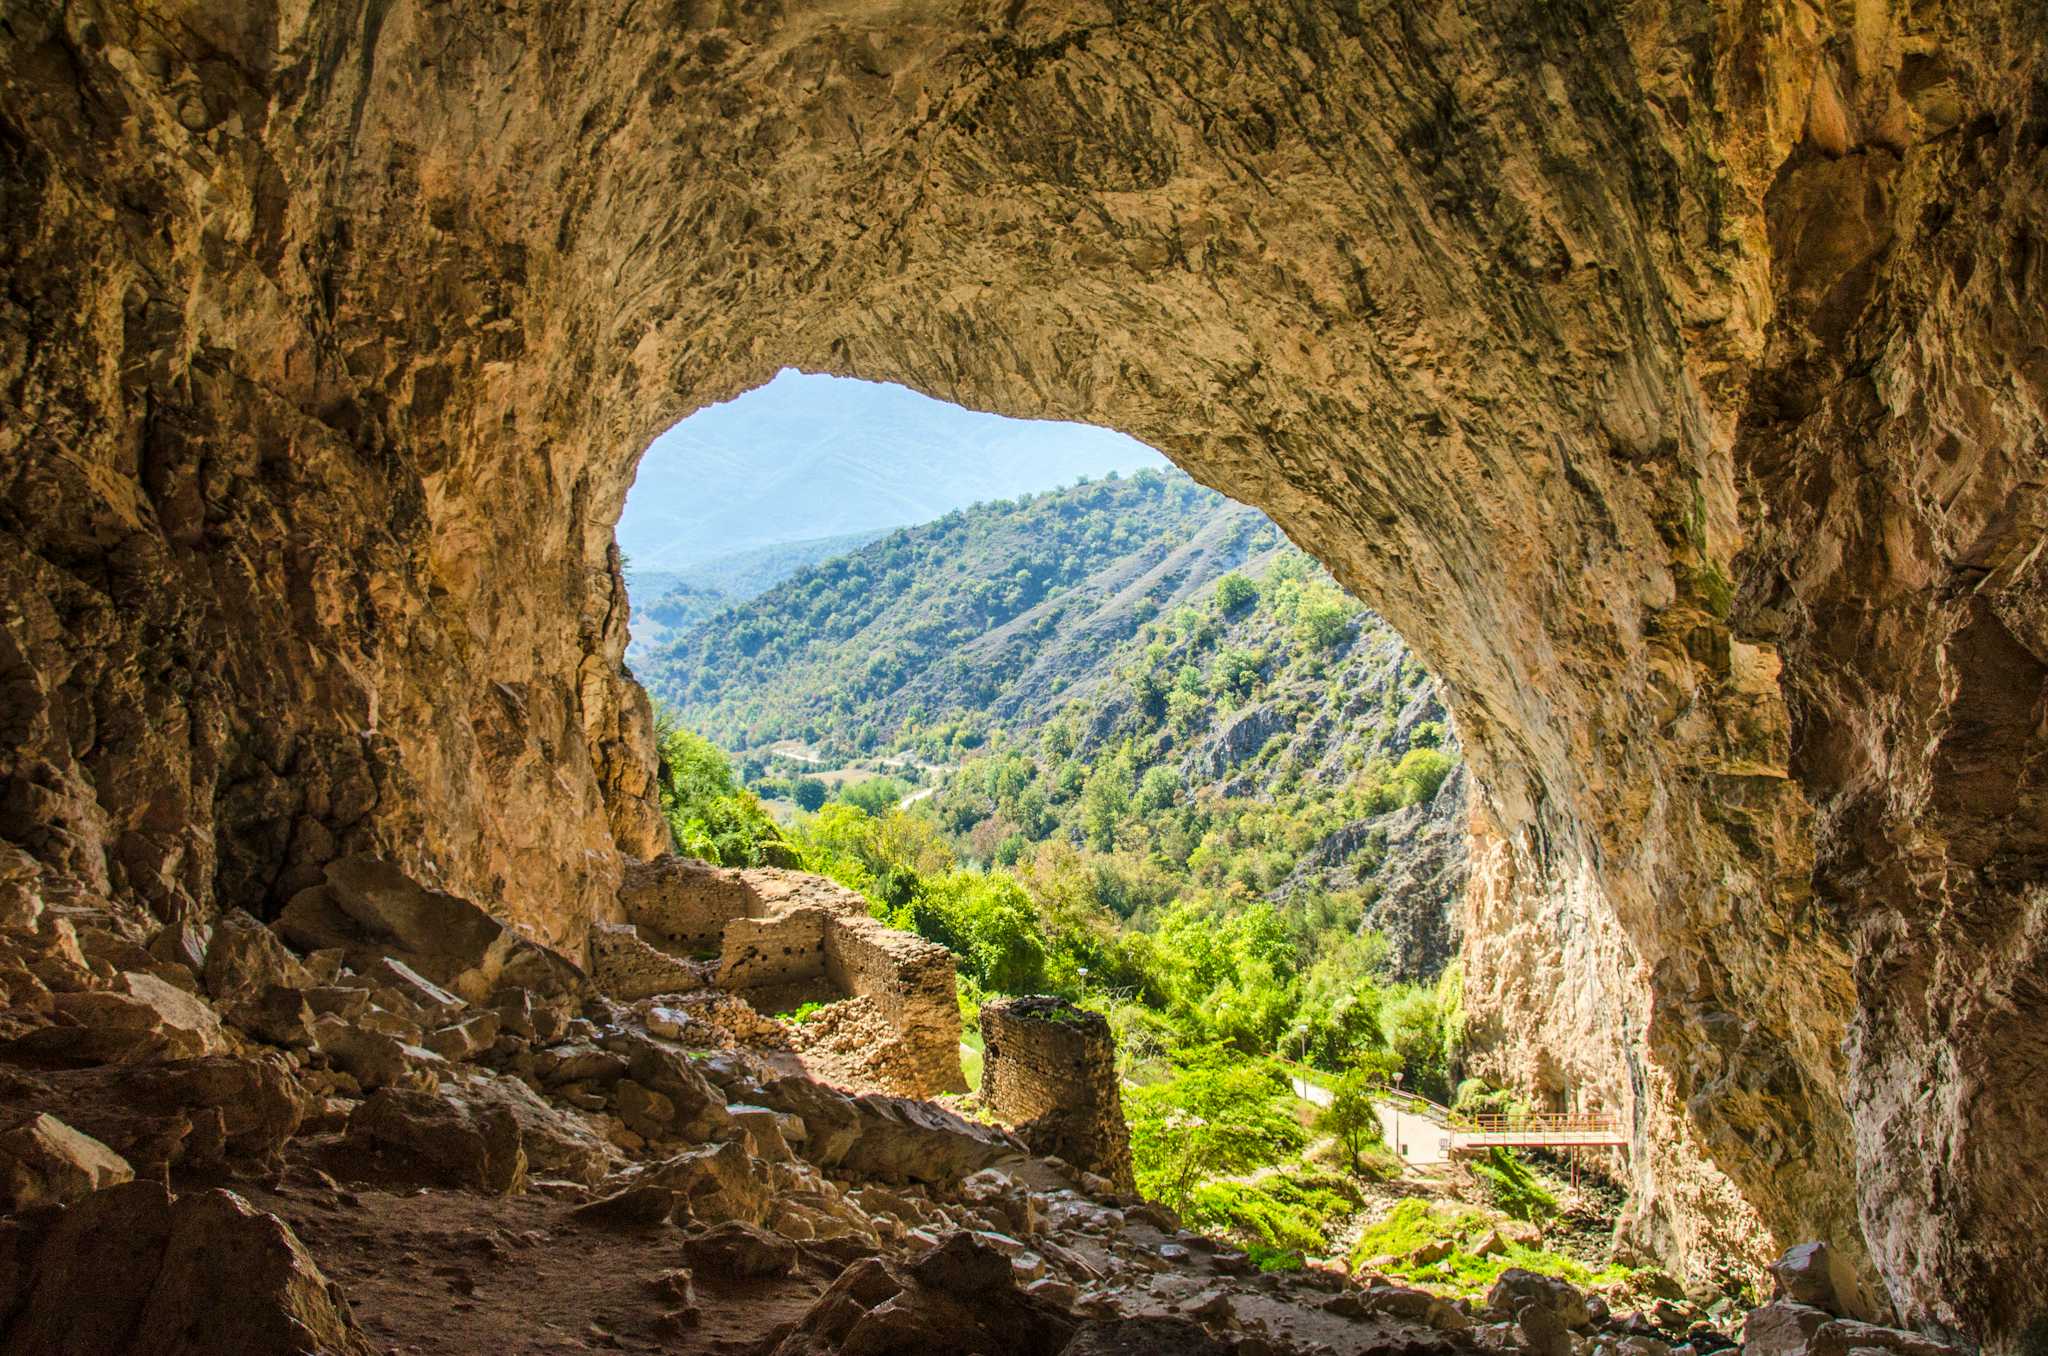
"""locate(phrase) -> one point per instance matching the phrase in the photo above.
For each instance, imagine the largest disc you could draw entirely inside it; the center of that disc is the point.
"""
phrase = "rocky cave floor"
(210, 1142)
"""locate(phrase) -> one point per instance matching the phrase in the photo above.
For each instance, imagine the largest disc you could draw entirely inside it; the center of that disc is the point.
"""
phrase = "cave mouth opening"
(1049, 702)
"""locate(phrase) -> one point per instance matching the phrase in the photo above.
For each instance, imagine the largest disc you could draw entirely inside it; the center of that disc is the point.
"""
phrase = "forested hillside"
(982, 615)
(666, 603)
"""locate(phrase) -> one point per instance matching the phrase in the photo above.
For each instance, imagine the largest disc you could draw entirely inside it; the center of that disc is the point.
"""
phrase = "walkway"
(1541, 1130)
(1424, 1133)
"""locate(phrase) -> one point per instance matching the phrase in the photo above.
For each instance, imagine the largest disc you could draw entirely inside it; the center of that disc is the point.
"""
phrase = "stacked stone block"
(1049, 1071)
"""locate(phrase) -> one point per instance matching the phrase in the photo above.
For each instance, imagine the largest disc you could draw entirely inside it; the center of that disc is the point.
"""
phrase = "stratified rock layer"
(1672, 376)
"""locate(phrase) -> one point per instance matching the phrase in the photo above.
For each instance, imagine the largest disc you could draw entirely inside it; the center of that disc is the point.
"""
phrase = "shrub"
(1235, 593)
(809, 793)
(876, 795)
(1420, 772)
(709, 813)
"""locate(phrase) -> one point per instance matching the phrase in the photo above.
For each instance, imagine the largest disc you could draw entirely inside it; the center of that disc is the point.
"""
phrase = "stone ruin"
(1049, 1070)
(780, 939)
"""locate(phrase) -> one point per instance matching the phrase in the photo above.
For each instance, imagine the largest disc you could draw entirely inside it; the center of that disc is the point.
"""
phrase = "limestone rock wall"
(1670, 375)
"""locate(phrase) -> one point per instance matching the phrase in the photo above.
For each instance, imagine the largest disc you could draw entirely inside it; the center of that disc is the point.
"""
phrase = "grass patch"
(1269, 1258)
(1282, 1211)
(1513, 1187)
(1412, 1225)
(804, 1012)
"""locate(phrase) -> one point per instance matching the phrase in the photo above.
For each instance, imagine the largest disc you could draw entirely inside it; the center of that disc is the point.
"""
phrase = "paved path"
(1420, 1140)
(1416, 1138)
(1309, 1092)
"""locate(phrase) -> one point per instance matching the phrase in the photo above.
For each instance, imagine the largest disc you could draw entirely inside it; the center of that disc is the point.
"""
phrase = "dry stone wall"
(1670, 376)
(779, 939)
(1049, 1070)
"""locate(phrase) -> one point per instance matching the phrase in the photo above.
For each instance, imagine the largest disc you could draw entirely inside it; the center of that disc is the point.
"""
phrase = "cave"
(1674, 377)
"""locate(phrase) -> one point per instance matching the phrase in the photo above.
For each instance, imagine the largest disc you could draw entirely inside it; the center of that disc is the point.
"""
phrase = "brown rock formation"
(1671, 376)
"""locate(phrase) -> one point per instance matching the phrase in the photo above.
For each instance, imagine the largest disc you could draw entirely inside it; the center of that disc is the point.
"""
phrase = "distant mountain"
(953, 617)
(808, 456)
(667, 603)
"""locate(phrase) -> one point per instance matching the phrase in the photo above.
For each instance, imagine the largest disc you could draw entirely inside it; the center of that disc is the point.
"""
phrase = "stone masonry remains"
(1049, 1071)
(778, 939)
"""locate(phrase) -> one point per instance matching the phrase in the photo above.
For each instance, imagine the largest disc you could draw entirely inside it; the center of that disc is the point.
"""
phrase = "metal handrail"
(1541, 1122)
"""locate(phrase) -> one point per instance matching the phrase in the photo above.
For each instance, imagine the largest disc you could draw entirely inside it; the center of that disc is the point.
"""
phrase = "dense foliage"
(711, 815)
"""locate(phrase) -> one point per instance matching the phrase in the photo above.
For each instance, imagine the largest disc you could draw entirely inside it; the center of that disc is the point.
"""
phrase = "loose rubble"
(196, 1113)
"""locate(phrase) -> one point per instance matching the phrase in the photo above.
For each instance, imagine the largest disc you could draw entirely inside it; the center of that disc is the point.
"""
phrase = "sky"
(809, 456)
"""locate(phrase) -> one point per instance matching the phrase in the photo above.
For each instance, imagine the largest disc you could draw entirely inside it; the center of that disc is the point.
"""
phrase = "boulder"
(244, 960)
(1841, 1336)
(1782, 1328)
(578, 1062)
(1518, 1286)
(129, 1269)
(370, 909)
(1544, 1332)
(557, 1143)
(465, 1039)
(665, 1069)
(448, 1141)
(831, 1120)
(717, 1182)
(425, 1000)
(43, 1161)
(280, 1015)
(192, 1026)
(645, 1112)
(740, 1250)
(183, 944)
(764, 1127)
(235, 1279)
(959, 1297)
(1815, 1274)
(21, 897)
(255, 1102)
(375, 1059)
(94, 1273)
(904, 1140)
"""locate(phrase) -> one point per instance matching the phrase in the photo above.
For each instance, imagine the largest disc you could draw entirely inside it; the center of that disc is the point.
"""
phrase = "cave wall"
(1672, 375)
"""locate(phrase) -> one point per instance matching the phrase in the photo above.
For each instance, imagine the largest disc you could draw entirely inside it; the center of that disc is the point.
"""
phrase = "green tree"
(1235, 593)
(1222, 1115)
(876, 795)
(809, 793)
(1157, 790)
(1350, 1116)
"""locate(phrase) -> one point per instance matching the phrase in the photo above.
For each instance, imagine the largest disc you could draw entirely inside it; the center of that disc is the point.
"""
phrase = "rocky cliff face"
(1671, 375)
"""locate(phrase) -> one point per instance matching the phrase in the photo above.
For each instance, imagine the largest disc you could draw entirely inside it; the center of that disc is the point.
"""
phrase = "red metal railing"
(1541, 1122)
